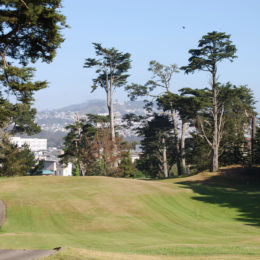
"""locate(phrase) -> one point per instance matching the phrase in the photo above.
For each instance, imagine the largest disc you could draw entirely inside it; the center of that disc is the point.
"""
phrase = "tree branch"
(25, 4)
(220, 126)
(203, 131)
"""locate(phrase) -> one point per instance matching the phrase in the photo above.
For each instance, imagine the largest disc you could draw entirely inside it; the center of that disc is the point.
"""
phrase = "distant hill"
(53, 122)
(91, 106)
(96, 106)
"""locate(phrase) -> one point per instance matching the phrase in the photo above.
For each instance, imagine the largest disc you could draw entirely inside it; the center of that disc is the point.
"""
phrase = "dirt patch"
(2, 213)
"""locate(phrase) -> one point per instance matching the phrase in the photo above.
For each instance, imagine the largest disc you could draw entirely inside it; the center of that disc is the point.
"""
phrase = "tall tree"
(161, 79)
(112, 67)
(213, 48)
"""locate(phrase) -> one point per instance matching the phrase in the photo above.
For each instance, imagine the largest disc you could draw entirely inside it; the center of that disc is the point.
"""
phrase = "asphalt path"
(25, 254)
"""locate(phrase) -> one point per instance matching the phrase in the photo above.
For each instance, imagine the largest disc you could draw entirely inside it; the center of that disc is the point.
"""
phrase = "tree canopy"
(30, 29)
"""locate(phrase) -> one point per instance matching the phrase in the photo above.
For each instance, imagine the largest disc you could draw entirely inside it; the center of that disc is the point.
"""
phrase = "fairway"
(113, 218)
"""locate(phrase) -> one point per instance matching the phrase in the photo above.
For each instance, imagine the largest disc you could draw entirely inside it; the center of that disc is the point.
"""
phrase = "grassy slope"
(106, 216)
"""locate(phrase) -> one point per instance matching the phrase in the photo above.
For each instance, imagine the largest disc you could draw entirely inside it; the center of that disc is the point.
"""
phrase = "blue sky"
(149, 30)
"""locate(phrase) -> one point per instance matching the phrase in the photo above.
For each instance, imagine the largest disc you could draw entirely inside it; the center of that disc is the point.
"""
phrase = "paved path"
(2, 213)
(24, 254)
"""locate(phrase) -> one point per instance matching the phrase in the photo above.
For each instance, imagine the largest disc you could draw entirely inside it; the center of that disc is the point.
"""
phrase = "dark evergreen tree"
(38, 167)
(15, 161)
(158, 154)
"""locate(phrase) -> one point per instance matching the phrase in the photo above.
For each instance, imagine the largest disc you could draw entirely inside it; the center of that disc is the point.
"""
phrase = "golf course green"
(207, 216)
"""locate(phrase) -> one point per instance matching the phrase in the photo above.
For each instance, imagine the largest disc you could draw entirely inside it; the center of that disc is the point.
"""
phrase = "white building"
(58, 169)
(35, 144)
(64, 171)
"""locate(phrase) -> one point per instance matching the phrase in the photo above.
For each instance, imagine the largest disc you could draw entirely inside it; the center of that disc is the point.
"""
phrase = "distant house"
(58, 169)
(64, 171)
(50, 166)
(134, 156)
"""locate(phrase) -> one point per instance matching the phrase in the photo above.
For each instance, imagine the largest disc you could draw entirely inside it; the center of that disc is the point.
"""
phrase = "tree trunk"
(110, 107)
(111, 117)
(82, 169)
(215, 143)
(176, 141)
(183, 138)
(253, 127)
(165, 164)
(253, 135)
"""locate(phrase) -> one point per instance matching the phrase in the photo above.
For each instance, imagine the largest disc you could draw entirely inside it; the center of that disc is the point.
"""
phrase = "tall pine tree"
(213, 48)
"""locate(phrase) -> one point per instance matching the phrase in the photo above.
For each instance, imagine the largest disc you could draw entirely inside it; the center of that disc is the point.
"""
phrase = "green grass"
(174, 218)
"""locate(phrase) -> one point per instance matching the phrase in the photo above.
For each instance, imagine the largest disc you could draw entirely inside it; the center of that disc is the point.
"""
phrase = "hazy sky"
(149, 30)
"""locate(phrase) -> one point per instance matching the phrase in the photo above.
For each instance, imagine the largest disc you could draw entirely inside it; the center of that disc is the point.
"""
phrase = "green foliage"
(88, 145)
(161, 78)
(16, 109)
(98, 119)
(111, 69)
(187, 106)
(235, 103)
(37, 170)
(76, 171)
(153, 132)
(198, 153)
(239, 103)
(212, 49)
(111, 65)
(31, 29)
(15, 161)
(80, 146)
(126, 165)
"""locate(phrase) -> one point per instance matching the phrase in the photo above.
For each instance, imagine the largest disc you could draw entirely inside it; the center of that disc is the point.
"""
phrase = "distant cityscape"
(53, 122)
(47, 145)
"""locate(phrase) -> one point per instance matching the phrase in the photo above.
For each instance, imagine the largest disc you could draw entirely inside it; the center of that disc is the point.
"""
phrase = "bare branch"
(25, 4)
(203, 131)
(220, 126)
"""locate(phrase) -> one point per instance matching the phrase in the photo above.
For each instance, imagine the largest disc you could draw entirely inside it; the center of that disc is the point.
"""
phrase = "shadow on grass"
(234, 188)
